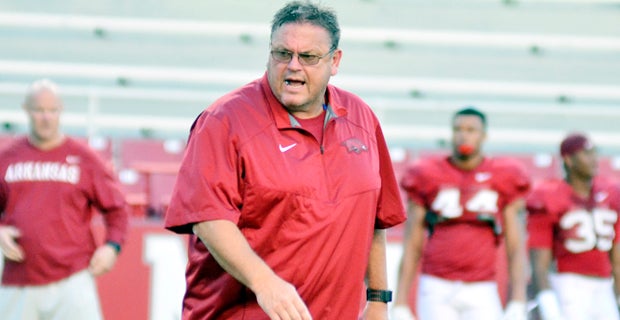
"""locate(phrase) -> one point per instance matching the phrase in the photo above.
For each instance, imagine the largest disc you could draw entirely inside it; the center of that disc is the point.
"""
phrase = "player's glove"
(401, 313)
(515, 310)
(548, 305)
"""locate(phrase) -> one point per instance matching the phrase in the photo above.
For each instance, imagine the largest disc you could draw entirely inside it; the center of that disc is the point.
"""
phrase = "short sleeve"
(539, 221)
(413, 183)
(615, 205)
(390, 210)
(207, 187)
(516, 182)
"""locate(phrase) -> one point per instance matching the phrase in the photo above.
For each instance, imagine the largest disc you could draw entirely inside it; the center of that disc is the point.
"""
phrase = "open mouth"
(294, 83)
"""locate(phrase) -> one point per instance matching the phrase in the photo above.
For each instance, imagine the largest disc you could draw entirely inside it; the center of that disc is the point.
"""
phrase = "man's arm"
(109, 200)
(541, 261)
(376, 275)
(614, 255)
(541, 257)
(278, 298)
(8, 243)
(515, 250)
(116, 220)
(413, 244)
(548, 305)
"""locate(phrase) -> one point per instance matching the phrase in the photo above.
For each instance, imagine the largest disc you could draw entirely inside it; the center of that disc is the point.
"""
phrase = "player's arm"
(615, 265)
(376, 275)
(614, 253)
(278, 298)
(515, 249)
(413, 244)
(540, 228)
(541, 261)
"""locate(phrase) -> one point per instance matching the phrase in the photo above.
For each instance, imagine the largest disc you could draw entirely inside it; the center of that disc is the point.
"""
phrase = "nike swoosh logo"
(72, 159)
(600, 197)
(482, 176)
(287, 148)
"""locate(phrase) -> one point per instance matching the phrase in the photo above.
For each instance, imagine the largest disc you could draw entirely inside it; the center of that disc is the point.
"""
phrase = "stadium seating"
(536, 80)
(609, 166)
(5, 139)
(540, 166)
(102, 146)
(147, 171)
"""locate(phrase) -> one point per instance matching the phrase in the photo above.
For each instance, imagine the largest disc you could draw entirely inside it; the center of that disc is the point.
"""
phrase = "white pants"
(585, 298)
(73, 298)
(440, 299)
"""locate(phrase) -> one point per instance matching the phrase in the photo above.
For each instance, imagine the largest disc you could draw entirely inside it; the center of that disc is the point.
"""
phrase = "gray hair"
(39, 86)
(305, 11)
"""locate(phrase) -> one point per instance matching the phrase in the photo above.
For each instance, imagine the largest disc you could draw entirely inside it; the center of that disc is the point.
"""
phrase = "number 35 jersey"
(464, 213)
(580, 231)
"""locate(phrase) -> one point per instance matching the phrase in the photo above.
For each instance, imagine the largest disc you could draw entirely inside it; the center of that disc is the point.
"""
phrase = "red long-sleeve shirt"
(51, 196)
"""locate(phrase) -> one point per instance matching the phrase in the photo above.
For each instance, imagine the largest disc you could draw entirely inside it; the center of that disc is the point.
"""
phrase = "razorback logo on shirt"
(42, 171)
(354, 145)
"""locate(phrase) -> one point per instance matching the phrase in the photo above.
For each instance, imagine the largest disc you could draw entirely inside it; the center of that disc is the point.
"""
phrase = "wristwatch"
(378, 295)
(115, 245)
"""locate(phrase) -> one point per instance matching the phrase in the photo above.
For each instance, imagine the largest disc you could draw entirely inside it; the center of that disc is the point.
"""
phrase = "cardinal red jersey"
(50, 196)
(464, 212)
(308, 208)
(580, 231)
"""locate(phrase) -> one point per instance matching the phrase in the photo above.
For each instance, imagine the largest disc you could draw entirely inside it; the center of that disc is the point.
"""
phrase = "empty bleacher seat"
(540, 166)
(101, 145)
(609, 166)
(5, 139)
(148, 170)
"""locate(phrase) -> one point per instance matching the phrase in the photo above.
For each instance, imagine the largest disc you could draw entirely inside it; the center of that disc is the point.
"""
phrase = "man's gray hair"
(38, 86)
(307, 12)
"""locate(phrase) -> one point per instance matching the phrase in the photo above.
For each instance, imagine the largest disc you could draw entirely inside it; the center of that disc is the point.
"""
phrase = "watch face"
(379, 295)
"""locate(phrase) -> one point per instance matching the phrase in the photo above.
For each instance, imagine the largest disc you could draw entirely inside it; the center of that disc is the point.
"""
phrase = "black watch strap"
(115, 245)
(378, 295)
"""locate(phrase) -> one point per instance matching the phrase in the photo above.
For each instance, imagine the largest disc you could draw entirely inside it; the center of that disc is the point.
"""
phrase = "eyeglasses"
(305, 59)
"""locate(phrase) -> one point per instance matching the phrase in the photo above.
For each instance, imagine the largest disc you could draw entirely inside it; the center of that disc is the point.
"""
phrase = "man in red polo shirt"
(287, 184)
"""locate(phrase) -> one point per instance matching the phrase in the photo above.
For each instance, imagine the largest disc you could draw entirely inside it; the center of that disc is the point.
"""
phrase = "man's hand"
(375, 311)
(515, 310)
(548, 305)
(10, 249)
(400, 312)
(280, 300)
(103, 260)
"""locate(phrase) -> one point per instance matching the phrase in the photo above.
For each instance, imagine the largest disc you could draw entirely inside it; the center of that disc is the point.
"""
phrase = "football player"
(462, 207)
(573, 226)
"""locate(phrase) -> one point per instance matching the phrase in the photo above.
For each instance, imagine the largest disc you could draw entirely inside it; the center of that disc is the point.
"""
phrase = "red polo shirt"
(307, 207)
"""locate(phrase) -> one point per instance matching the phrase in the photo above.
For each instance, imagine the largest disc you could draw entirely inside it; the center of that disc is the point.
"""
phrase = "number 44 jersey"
(580, 231)
(464, 213)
